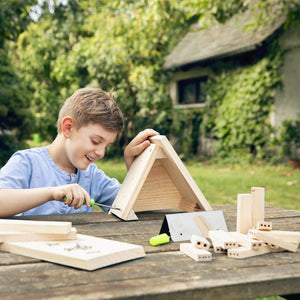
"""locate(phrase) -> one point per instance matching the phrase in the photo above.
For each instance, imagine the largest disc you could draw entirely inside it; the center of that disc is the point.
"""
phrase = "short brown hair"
(92, 105)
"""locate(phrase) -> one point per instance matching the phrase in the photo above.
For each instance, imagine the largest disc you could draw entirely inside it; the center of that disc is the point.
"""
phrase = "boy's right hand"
(73, 195)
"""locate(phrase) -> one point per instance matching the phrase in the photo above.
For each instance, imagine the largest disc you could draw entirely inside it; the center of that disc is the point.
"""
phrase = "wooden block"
(266, 226)
(258, 207)
(246, 241)
(243, 252)
(200, 242)
(194, 253)
(202, 224)
(35, 226)
(87, 252)
(219, 249)
(222, 239)
(244, 213)
(268, 237)
(19, 236)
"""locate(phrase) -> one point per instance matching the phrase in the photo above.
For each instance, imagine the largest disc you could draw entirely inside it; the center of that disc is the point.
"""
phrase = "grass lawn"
(220, 185)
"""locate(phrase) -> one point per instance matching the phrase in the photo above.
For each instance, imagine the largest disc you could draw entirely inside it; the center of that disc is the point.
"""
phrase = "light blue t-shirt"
(33, 168)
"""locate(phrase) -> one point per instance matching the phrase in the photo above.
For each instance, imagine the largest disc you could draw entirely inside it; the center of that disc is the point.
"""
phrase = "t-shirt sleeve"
(16, 173)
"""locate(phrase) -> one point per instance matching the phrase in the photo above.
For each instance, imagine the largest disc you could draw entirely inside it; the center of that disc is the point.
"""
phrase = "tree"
(15, 118)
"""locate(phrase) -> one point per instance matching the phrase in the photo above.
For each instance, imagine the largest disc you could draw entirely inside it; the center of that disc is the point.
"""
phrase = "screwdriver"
(98, 204)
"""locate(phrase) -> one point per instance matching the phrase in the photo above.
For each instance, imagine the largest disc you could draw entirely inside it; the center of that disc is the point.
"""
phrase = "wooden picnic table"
(165, 272)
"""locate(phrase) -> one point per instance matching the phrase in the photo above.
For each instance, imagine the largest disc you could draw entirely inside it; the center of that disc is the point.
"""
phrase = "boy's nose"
(100, 152)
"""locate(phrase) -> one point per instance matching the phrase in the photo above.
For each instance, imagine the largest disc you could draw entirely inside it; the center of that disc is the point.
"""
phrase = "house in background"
(193, 59)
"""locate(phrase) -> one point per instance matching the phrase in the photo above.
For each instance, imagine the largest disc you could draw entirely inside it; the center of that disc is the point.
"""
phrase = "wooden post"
(244, 213)
(258, 208)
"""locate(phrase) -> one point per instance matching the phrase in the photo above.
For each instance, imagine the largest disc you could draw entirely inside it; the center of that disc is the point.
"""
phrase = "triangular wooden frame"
(157, 180)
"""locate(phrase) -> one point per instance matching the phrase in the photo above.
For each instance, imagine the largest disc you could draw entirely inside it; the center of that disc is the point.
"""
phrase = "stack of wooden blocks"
(59, 242)
(253, 235)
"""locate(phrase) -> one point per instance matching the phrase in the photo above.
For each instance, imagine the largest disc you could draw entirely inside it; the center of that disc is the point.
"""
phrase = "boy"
(36, 181)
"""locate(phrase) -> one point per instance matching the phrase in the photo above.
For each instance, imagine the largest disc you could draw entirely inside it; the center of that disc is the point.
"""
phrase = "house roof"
(219, 40)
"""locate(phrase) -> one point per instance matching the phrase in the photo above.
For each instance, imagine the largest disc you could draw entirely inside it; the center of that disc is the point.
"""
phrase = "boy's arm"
(15, 201)
(138, 145)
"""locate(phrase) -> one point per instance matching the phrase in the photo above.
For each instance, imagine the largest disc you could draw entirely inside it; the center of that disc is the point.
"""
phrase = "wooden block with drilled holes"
(266, 226)
(243, 252)
(245, 241)
(270, 238)
(222, 239)
(200, 242)
(194, 253)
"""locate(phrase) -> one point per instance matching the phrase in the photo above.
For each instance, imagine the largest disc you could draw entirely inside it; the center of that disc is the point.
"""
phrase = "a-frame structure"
(157, 180)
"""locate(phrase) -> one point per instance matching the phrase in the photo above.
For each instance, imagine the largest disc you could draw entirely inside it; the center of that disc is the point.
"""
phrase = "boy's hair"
(92, 105)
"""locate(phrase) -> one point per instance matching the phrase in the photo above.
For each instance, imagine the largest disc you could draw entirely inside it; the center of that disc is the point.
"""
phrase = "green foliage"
(290, 138)
(16, 119)
(239, 105)
(122, 44)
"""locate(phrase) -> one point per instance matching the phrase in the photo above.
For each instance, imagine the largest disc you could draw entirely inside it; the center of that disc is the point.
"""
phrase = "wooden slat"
(35, 226)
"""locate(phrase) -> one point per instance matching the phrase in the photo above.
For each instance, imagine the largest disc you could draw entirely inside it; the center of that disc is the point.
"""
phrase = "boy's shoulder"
(32, 151)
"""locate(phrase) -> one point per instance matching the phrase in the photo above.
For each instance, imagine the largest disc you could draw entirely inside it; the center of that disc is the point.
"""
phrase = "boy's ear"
(66, 126)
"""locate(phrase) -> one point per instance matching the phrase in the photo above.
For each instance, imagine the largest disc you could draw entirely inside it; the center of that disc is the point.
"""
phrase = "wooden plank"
(258, 205)
(269, 238)
(197, 254)
(179, 174)
(133, 182)
(86, 252)
(35, 226)
(158, 192)
(244, 213)
(13, 236)
(287, 235)
(202, 224)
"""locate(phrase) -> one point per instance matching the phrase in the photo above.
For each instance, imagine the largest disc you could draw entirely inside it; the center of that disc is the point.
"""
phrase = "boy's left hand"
(138, 145)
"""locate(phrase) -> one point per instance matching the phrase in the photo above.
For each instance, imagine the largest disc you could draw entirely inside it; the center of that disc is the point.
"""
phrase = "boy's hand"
(74, 195)
(138, 145)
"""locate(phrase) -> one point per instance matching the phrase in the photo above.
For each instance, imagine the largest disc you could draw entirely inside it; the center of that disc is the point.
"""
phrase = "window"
(192, 90)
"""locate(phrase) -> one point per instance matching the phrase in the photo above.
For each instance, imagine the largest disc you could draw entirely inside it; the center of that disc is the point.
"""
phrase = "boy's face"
(88, 144)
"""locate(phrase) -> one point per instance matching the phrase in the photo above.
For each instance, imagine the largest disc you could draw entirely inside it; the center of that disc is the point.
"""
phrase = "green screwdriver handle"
(84, 202)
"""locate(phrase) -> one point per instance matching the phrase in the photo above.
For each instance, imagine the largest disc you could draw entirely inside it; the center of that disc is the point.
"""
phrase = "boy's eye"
(95, 142)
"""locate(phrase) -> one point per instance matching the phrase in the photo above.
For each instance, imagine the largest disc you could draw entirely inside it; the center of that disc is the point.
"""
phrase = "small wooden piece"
(202, 224)
(244, 213)
(258, 205)
(13, 236)
(156, 180)
(194, 253)
(243, 252)
(222, 239)
(246, 241)
(269, 238)
(87, 252)
(266, 226)
(35, 226)
(200, 242)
